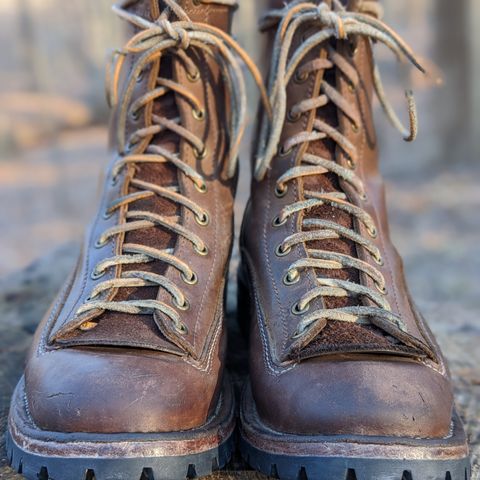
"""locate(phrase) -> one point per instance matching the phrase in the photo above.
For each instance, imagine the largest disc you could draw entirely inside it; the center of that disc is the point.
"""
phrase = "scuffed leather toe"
(116, 391)
(356, 397)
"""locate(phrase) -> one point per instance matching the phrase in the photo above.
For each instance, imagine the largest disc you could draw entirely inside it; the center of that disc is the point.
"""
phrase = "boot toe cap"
(357, 397)
(116, 391)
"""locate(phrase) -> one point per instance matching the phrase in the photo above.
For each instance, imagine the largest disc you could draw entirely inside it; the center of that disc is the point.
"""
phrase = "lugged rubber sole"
(40, 455)
(303, 457)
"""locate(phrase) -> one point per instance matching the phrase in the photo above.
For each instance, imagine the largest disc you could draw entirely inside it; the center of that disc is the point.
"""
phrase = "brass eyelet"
(95, 275)
(296, 310)
(290, 279)
(197, 2)
(378, 260)
(140, 76)
(372, 232)
(352, 87)
(203, 219)
(276, 222)
(107, 215)
(298, 333)
(181, 328)
(300, 78)
(284, 153)
(198, 114)
(200, 155)
(281, 192)
(355, 128)
(195, 77)
(201, 188)
(190, 281)
(381, 289)
(282, 252)
(100, 243)
(363, 196)
(135, 115)
(292, 118)
(351, 164)
(202, 252)
(185, 306)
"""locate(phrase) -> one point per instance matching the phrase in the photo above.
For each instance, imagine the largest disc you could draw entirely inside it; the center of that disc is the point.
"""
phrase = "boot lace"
(333, 22)
(154, 40)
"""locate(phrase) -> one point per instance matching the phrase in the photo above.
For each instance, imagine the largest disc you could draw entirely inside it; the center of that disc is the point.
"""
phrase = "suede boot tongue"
(337, 335)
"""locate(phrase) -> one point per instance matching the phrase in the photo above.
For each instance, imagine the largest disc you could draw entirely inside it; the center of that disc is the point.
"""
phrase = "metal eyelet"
(107, 215)
(198, 114)
(355, 128)
(181, 328)
(296, 310)
(378, 260)
(195, 77)
(351, 164)
(100, 243)
(185, 306)
(292, 118)
(190, 281)
(372, 232)
(201, 188)
(197, 2)
(352, 88)
(300, 78)
(298, 334)
(202, 252)
(382, 290)
(140, 76)
(284, 153)
(135, 115)
(95, 275)
(290, 279)
(281, 192)
(281, 252)
(278, 223)
(200, 155)
(203, 219)
(363, 197)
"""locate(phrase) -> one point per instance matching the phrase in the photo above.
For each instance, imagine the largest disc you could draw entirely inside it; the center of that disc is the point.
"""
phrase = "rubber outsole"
(40, 455)
(343, 457)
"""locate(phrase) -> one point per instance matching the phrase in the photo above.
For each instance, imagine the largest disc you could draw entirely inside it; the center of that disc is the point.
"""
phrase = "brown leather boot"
(125, 374)
(346, 380)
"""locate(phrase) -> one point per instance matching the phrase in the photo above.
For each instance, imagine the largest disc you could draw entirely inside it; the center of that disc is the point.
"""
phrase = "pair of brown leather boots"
(125, 378)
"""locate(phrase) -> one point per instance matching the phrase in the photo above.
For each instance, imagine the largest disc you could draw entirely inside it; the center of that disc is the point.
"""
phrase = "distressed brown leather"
(135, 373)
(350, 378)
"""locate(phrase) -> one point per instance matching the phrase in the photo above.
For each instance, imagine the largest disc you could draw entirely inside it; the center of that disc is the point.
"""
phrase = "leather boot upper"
(135, 341)
(337, 343)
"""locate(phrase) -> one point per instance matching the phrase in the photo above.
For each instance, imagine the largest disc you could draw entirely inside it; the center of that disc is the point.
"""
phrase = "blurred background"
(53, 120)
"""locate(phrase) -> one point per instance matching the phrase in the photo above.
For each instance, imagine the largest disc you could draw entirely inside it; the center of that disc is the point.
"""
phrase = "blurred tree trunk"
(452, 51)
(27, 43)
(474, 31)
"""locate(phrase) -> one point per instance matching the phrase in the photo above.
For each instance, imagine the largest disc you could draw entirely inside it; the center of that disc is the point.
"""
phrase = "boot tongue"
(337, 335)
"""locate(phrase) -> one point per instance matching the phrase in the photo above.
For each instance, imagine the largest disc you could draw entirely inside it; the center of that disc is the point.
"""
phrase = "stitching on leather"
(215, 196)
(271, 366)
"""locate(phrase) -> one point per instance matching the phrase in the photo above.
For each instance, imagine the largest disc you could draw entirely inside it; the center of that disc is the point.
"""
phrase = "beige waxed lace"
(154, 40)
(333, 22)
